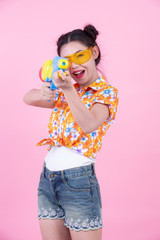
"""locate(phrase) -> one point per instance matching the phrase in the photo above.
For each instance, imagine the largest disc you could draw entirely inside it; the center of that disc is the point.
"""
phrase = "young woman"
(69, 198)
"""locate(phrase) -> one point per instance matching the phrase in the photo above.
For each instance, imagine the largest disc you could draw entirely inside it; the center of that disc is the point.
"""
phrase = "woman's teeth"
(77, 73)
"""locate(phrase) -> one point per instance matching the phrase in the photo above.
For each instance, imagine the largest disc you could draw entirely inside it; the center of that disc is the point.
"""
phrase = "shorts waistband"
(82, 170)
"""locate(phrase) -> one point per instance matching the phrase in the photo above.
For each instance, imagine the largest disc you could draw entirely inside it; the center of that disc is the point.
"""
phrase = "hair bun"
(91, 31)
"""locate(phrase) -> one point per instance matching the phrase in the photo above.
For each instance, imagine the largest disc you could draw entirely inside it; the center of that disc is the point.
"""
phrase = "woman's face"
(86, 73)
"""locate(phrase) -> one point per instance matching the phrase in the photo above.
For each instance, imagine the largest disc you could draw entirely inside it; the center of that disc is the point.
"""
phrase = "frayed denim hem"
(82, 229)
(84, 225)
(51, 213)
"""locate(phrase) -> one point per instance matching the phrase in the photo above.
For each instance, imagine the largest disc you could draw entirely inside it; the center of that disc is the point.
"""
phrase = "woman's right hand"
(40, 97)
(46, 92)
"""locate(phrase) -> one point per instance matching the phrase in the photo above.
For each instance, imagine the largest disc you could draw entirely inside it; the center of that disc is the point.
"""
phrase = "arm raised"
(88, 120)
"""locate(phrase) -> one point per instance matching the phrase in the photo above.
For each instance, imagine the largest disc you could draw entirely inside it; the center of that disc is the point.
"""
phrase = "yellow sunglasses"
(80, 57)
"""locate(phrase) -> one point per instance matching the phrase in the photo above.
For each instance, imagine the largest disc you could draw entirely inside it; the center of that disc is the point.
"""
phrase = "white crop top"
(61, 158)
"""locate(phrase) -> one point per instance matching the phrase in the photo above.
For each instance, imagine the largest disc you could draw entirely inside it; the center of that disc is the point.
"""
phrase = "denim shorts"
(73, 195)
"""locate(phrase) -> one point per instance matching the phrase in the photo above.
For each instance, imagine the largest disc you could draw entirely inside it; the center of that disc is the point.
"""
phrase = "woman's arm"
(39, 97)
(88, 120)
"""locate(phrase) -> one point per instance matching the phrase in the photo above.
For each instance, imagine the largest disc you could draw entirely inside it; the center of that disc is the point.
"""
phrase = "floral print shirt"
(64, 130)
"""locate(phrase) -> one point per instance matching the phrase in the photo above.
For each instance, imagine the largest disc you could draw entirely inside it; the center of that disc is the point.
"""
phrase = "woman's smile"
(79, 73)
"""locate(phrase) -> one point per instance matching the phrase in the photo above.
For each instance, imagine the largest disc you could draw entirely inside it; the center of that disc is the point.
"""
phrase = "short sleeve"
(110, 97)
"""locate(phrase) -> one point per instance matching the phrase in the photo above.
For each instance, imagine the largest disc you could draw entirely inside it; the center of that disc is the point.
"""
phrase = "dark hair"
(87, 37)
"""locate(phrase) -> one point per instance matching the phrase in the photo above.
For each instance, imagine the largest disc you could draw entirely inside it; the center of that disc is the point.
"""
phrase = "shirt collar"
(96, 85)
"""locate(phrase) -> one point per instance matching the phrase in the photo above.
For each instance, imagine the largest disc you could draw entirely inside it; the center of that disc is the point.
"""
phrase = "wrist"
(68, 89)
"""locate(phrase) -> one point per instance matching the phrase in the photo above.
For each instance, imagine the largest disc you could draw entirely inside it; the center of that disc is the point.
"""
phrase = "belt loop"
(93, 168)
(63, 178)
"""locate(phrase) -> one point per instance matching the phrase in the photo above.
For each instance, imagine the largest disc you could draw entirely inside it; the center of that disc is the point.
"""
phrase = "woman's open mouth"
(79, 74)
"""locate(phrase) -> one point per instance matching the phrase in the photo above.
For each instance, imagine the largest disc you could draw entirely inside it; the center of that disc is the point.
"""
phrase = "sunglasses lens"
(80, 57)
(83, 57)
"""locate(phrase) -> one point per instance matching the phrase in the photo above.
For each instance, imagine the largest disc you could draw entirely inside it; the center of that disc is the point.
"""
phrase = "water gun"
(51, 66)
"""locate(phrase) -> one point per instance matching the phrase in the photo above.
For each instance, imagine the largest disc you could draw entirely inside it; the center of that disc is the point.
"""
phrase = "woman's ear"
(95, 52)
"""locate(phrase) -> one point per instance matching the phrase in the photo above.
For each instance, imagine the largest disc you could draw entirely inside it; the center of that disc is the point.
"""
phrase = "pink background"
(128, 164)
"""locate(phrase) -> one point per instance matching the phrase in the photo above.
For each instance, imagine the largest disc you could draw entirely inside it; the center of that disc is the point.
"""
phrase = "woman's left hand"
(64, 82)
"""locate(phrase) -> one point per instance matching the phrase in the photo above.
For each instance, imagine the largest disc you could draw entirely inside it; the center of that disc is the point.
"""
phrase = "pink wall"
(128, 163)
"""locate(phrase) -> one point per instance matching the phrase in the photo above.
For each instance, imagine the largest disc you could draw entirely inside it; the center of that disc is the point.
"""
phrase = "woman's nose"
(73, 65)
